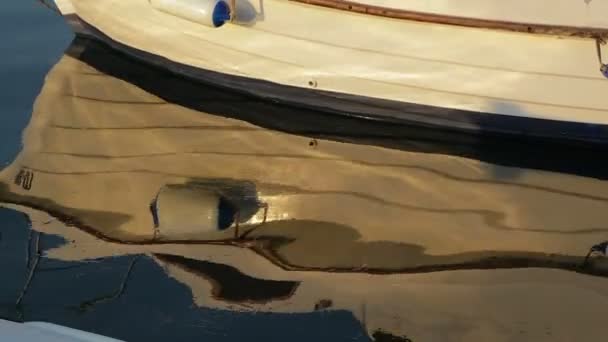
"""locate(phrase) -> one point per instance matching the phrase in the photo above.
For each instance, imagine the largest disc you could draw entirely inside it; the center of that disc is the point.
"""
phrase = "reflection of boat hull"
(311, 123)
(373, 231)
(575, 120)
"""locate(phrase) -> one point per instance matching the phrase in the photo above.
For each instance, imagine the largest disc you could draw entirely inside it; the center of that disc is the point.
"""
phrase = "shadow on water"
(338, 248)
(94, 295)
(240, 193)
(144, 312)
(520, 151)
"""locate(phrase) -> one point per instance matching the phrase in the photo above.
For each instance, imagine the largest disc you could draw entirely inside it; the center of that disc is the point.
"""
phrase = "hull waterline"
(580, 129)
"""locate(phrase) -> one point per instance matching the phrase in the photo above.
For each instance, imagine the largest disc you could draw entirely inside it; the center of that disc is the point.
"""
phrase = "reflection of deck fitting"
(183, 212)
(24, 179)
(384, 336)
(194, 210)
(600, 249)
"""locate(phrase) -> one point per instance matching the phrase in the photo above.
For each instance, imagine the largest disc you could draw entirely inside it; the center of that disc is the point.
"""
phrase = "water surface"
(148, 207)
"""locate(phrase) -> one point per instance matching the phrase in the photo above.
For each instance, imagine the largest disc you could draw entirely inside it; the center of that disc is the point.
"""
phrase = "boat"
(521, 70)
(43, 331)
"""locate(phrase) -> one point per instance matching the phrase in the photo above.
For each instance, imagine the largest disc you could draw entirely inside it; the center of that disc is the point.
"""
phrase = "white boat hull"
(444, 77)
(41, 331)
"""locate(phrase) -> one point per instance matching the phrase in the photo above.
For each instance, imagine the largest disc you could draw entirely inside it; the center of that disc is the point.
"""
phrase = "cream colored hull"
(444, 76)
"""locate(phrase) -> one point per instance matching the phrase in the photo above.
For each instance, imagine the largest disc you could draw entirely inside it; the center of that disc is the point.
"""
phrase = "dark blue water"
(33, 39)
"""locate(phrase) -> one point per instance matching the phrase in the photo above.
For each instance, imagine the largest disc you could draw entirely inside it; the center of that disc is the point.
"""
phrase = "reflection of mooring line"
(115, 295)
(586, 261)
(237, 218)
(19, 177)
(32, 270)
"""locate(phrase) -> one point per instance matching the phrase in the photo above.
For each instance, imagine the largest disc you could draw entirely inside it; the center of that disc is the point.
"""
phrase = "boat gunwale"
(402, 14)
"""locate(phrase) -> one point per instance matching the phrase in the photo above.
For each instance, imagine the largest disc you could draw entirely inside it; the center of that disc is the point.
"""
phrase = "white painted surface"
(65, 6)
(40, 331)
(582, 13)
(198, 11)
(465, 68)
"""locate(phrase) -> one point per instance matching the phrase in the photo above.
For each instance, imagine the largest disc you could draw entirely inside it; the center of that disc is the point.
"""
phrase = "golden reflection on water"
(376, 231)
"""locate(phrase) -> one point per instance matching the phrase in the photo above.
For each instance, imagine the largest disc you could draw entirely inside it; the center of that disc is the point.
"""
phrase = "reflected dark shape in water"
(230, 284)
(33, 38)
(324, 304)
(155, 308)
(337, 248)
(512, 151)
(333, 241)
(151, 306)
(116, 294)
(383, 336)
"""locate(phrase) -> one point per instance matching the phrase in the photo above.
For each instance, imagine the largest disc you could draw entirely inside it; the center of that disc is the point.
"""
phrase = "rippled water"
(147, 207)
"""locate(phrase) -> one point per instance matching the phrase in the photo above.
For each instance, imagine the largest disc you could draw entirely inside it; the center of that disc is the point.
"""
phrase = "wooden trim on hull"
(555, 30)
